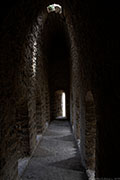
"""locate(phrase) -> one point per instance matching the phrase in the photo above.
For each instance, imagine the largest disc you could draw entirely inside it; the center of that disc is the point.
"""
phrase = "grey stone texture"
(56, 157)
(90, 132)
(77, 52)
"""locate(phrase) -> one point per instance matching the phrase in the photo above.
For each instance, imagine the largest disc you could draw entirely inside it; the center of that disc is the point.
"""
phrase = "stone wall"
(42, 93)
(82, 113)
(77, 103)
(10, 56)
(94, 60)
(20, 123)
(90, 131)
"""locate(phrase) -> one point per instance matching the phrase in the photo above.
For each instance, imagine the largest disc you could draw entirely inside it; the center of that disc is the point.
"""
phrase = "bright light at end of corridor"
(63, 105)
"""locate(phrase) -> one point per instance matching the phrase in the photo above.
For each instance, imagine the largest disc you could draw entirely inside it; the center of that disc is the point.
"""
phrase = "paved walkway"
(56, 157)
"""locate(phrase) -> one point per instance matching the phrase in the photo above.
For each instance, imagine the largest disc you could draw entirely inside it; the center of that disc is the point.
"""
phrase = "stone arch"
(31, 80)
(34, 92)
(25, 31)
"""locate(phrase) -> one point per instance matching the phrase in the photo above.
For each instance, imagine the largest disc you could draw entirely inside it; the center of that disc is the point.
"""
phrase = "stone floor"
(56, 157)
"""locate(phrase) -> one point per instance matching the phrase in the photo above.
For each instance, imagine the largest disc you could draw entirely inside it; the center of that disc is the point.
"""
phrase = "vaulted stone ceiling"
(55, 38)
(93, 45)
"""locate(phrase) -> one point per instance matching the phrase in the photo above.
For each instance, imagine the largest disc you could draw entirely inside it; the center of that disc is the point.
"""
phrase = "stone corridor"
(56, 157)
(59, 58)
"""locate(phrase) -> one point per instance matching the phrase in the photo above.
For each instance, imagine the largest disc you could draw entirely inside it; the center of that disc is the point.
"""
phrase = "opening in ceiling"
(54, 8)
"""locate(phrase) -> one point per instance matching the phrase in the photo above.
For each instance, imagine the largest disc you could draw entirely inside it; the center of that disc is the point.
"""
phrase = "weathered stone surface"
(76, 51)
(90, 132)
(56, 156)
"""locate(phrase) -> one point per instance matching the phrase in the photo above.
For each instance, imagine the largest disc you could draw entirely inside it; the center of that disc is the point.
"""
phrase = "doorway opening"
(60, 104)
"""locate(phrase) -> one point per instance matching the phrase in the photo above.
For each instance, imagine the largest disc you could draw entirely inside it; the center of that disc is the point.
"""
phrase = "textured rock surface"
(22, 121)
(76, 51)
(56, 156)
(90, 132)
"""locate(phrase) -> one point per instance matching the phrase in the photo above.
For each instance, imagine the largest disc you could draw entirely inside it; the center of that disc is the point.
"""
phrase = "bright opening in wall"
(34, 58)
(60, 104)
(63, 105)
(54, 8)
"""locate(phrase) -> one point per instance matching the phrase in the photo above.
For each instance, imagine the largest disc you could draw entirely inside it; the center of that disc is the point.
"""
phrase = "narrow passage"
(56, 157)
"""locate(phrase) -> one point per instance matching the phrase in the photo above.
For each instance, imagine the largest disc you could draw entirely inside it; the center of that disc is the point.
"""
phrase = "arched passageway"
(74, 51)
